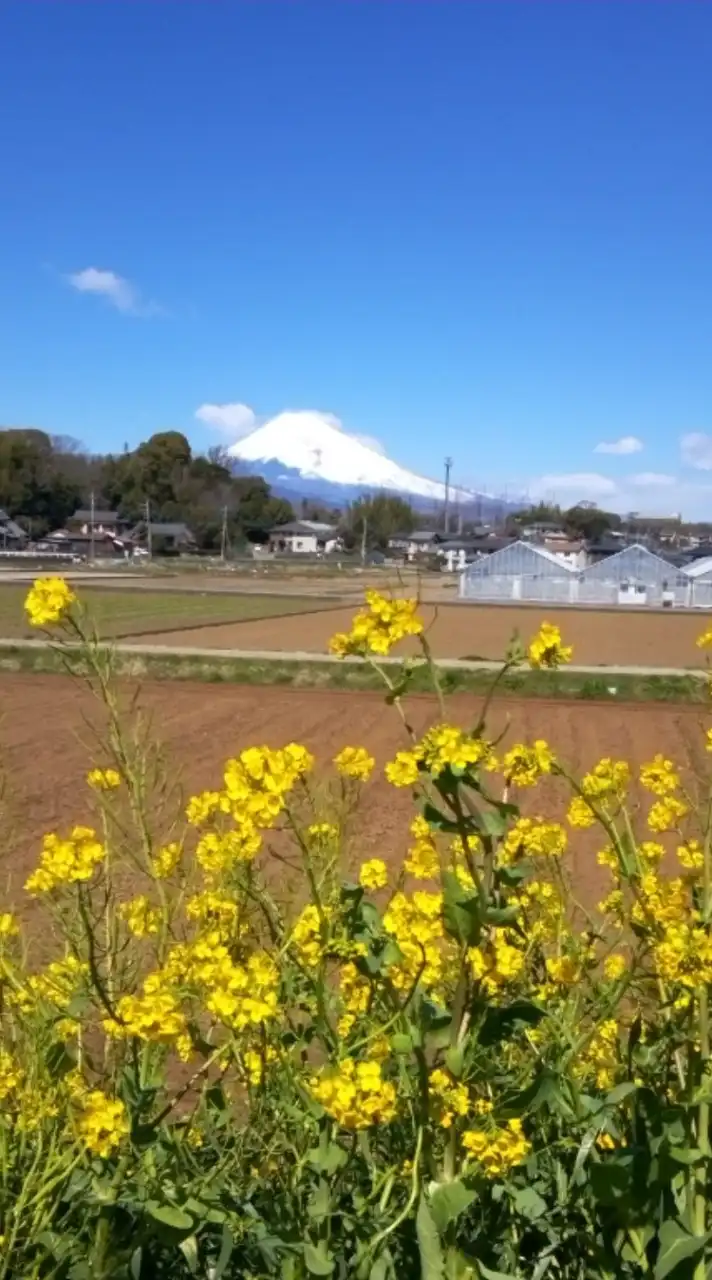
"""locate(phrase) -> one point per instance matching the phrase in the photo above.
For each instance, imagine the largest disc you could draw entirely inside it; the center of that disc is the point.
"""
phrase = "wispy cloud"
(578, 485)
(696, 450)
(115, 289)
(626, 444)
(652, 480)
(234, 420)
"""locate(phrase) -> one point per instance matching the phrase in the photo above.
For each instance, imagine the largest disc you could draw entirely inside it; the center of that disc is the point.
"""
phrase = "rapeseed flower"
(373, 874)
(422, 862)
(524, 765)
(166, 860)
(355, 762)
(48, 602)
(497, 1149)
(660, 776)
(355, 1094)
(403, 770)
(376, 631)
(65, 861)
(103, 1123)
(104, 779)
(546, 649)
(140, 917)
(450, 1098)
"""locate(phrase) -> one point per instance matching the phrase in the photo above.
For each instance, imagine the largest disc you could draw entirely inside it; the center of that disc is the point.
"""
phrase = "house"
(12, 537)
(571, 551)
(538, 529)
(164, 537)
(89, 546)
(102, 521)
(422, 542)
(304, 537)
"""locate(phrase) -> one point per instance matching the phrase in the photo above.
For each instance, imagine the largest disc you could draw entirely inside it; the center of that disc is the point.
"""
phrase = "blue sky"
(481, 229)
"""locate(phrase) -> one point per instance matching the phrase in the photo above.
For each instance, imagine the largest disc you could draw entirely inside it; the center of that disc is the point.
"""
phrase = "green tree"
(383, 516)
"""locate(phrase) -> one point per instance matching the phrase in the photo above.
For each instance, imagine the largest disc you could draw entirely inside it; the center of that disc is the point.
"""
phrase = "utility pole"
(91, 527)
(446, 517)
(364, 533)
(223, 536)
(149, 541)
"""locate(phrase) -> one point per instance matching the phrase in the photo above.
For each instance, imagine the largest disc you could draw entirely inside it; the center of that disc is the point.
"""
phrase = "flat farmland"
(600, 637)
(47, 726)
(138, 610)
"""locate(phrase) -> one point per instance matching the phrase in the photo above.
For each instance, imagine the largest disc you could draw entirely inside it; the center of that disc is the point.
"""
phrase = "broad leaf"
(169, 1215)
(432, 1263)
(319, 1261)
(676, 1245)
(461, 910)
(447, 1201)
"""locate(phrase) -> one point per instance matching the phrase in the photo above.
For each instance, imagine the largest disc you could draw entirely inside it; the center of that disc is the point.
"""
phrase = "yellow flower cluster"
(704, 641)
(450, 1097)
(378, 629)
(601, 1056)
(659, 776)
(422, 861)
(416, 924)
(524, 765)
(310, 934)
(355, 1094)
(57, 984)
(218, 912)
(355, 762)
(498, 1148)
(373, 874)
(532, 838)
(140, 917)
(218, 851)
(166, 860)
(546, 649)
(609, 779)
(442, 747)
(102, 1124)
(238, 995)
(48, 602)
(10, 1075)
(691, 855)
(667, 813)
(155, 1015)
(541, 908)
(684, 956)
(354, 994)
(258, 780)
(496, 963)
(104, 779)
(615, 966)
(64, 861)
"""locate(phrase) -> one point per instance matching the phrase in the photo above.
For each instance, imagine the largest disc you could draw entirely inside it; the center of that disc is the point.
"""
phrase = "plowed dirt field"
(46, 746)
(600, 637)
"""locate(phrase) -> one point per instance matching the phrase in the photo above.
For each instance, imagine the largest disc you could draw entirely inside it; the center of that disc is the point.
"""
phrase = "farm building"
(632, 576)
(521, 571)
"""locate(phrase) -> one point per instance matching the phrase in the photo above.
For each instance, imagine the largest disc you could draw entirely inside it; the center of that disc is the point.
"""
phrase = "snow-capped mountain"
(309, 452)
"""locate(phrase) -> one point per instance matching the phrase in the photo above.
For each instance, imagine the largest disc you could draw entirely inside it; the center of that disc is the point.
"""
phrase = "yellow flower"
(8, 925)
(546, 649)
(355, 1094)
(416, 924)
(66, 861)
(496, 963)
(166, 860)
(355, 762)
(104, 779)
(564, 970)
(532, 838)
(608, 780)
(708, 740)
(10, 1075)
(373, 874)
(666, 813)
(200, 809)
(217, 853)
(447, 747)
(376, 631)
(704, 641)
(422, 862)
(497, 1149)
(103, 1123)
(323, 833)
(523, 765)
(691, 855)
(140, 917)
(451, 1099)
(403, 770)
(154, 1015)
(615, 966)
(580, 814)
(659, 776)
(48, 602)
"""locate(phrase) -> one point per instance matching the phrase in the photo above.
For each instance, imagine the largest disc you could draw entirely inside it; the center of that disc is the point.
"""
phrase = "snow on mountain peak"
(316, 445)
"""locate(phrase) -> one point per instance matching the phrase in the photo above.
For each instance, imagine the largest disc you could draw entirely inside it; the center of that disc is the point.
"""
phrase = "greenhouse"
(519, 572)
(699, 574)
(634, 576)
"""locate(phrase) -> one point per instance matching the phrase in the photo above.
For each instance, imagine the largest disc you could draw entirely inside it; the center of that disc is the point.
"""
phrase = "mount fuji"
(308, 454)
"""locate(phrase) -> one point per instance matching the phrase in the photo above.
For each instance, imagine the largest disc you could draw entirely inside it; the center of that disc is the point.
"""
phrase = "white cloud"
(696, 450)
(235, 420)
(582, 485)
(118, 291)
(652, 480)
(626, 444)
(370, 442)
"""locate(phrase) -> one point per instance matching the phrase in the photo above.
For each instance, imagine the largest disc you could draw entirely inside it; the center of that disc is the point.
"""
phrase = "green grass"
(355, 676)
(129, 611)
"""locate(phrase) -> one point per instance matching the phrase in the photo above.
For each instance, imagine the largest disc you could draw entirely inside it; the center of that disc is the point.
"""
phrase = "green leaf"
(529, 1203)
(135, 1264)
(455, 1060)
(502, 915)
(432, 1263)
(687, 1155)
(169, 1215)
(438, 821)
(461, 910)
(500, 1023)
(319, 1206)
(227, 1244)
(327, 1157)
(401, 1043)
(189, 1249)
(447, 1201)
(487, 1274)
(611, 1180)
(319, 1261)
(676, 1245)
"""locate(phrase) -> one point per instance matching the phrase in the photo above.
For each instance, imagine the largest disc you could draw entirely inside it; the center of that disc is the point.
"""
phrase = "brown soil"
(46, 747)
(600, 637)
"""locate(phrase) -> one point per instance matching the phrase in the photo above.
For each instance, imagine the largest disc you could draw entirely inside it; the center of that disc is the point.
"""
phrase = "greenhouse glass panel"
(517, 572)
(634, 576)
